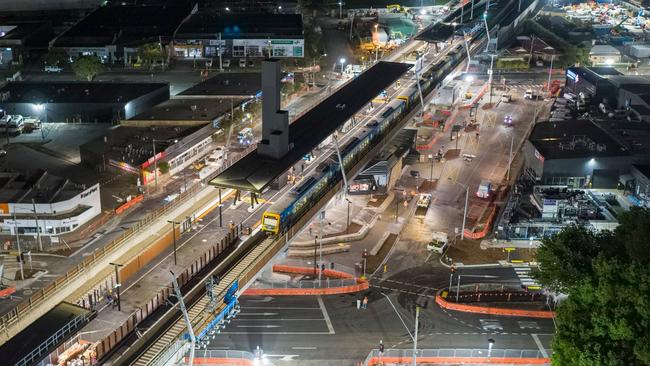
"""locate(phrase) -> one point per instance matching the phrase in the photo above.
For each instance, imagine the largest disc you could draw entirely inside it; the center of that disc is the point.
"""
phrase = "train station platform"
(254, 172)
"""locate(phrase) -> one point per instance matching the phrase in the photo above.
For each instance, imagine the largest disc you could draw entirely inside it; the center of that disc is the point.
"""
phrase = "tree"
(87, 67)
(163, 167)
(55, 58)
(150, 53)
(606, 318)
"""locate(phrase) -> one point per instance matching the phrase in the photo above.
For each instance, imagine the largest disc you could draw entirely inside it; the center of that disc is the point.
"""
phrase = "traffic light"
(452, 268)
(365, 253)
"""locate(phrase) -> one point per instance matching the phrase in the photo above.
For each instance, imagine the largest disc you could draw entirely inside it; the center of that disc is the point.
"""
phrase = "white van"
(16, 125)
(424, 200)
(51, 68)
(439, 242)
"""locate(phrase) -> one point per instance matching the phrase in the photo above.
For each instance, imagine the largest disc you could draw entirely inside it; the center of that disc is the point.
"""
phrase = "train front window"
(270, 223)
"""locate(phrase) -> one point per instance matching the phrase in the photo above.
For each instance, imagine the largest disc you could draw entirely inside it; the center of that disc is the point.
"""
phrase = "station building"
(95, 102)
(44, 202)
(242, 35)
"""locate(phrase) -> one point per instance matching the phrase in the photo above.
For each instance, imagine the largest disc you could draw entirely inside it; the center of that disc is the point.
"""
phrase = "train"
(282, 214)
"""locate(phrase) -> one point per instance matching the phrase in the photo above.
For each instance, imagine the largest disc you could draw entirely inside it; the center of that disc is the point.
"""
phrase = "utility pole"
(38, 228)
(415, 336)
(512, 140)
(491, 71)
(220, 209)
(550, 72)
(219, 50)
(155, 164)
(20, 257)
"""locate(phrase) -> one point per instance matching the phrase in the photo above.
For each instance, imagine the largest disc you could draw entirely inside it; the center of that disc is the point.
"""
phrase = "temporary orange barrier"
(7, 291)
(129, 204)
(361, 285)
(483, 233)
(492, 310)
(459, 360)
(281, 268)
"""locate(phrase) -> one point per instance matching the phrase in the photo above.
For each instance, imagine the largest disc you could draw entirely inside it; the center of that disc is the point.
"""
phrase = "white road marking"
(303, 347)
(278, 319)
(542, 350)
(328, 321)
(258, 314)
(277, 308)
(259, 326)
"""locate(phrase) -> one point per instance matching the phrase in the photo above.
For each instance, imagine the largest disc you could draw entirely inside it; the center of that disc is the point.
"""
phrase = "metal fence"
(37, 353)
(324, 283)
(407, 354)
(233, 355)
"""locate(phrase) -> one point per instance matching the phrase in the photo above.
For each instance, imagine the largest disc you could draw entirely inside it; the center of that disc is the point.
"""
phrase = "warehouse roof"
(574, 139)
(227, 84)
(75, 92)
(255, 172)
(235, 26)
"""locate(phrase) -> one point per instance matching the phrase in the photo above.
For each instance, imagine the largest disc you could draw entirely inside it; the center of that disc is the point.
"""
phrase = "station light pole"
(174, 223)
(117, 284)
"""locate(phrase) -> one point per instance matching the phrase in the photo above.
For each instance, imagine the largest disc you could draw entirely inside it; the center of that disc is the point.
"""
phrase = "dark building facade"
(95, 102)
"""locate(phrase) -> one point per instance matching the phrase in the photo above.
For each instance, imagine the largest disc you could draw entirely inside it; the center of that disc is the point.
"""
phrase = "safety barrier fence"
(486, 227)
(62, 333)
(458, 356)
(39, 296)
(222, 357)
(443, 303)
(109, 342)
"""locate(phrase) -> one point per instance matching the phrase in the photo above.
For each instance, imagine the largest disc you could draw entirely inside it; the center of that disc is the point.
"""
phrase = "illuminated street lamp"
(342, 62)
(340, 9)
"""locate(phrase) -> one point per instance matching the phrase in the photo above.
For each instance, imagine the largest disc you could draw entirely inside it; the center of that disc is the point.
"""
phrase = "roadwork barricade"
(457, 356)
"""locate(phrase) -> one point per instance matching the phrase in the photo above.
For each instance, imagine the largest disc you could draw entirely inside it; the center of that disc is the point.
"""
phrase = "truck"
(439, 242)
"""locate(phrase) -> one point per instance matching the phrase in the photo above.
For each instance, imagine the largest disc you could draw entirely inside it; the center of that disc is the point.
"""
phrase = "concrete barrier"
(492, 310)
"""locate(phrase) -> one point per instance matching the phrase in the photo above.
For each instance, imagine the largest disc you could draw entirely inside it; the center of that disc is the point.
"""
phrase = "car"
(424, 200)
(506, 98)
(528, 94)
(439, 242)
(250, 63)
(52, 68)
(483, 190)
(3, 153)
(242, 62)
(226, 63)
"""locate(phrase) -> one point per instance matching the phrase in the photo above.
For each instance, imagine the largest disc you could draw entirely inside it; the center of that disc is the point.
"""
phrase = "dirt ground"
(469, 252)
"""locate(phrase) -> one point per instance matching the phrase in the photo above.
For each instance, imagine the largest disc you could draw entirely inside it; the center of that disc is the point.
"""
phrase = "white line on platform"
(325, 314)
(542, 350)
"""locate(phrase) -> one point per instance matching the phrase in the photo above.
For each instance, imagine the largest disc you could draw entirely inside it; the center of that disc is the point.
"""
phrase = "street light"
(41, 107)
(174, 223)
(414, 337)
(340, 9)
(490, 345)
(342, 62)
(377, 45)
(117, 284)
(347, 228)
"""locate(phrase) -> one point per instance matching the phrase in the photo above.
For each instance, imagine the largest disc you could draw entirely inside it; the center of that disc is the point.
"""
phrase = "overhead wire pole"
(418, 66)
(338, 153)
(188, 322)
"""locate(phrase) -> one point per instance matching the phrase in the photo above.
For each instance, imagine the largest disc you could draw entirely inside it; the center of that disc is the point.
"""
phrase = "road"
(330, 330)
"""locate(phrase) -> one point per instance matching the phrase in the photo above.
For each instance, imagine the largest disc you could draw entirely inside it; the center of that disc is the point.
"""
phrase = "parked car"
(483, 190)
(226, 63)
(506, 98)
(250, 63)
(242, 62)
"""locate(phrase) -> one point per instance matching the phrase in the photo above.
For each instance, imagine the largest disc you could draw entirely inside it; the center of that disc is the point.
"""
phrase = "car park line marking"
(326, 316)
(542, 350)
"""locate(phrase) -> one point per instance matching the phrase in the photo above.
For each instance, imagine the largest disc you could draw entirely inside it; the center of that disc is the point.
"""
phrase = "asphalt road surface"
(331, 330)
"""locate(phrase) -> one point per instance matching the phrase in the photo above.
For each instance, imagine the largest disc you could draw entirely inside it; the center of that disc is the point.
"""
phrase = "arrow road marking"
(265, 299)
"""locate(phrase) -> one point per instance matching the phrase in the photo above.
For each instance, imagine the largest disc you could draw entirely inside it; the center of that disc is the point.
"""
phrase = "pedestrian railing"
(464, 355)
(39, 352)
(223, 354)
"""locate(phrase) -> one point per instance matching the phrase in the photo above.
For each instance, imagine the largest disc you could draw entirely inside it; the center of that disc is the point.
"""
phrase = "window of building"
(253, 51)
(279, 52)
(238, 51)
